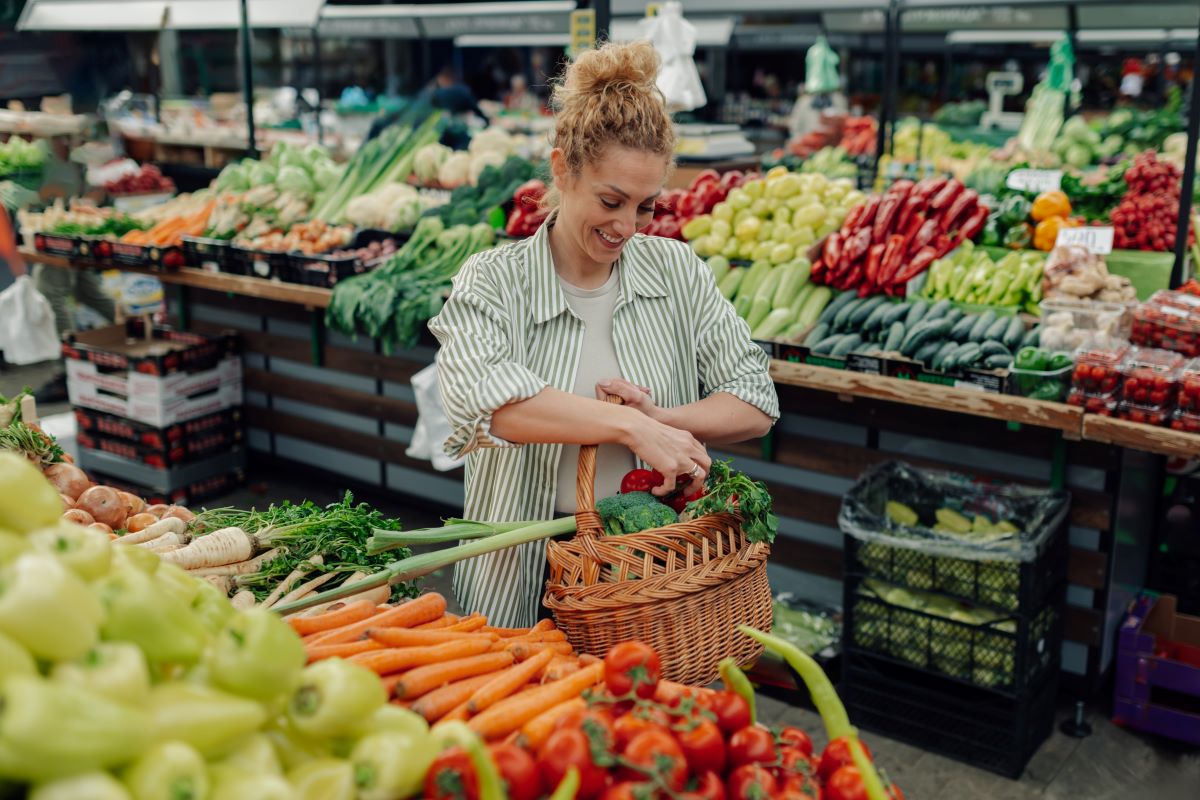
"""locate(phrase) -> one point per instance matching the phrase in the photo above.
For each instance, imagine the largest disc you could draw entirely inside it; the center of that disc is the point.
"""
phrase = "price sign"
(1034, 180)
(583, 30)
(1096, 240)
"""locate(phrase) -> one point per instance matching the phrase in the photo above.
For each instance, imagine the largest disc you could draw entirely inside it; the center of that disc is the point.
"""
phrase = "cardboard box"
(125, 347)
(121, 428)
(1158, 670)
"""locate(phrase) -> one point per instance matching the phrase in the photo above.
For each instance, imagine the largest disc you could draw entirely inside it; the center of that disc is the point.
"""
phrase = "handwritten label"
(1096, 240)
(1035, 180)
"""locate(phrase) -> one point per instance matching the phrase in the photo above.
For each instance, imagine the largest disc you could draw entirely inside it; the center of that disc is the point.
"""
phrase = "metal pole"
(248, 82)
(885, 95)
(894, 77)
(603, 19)
(316, 43)
(1189, 172)
(1073, 39)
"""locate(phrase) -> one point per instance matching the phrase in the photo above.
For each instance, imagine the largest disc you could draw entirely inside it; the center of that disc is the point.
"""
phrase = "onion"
(68, 503)
(78, 515)
(100, 526)
(179, 512)
(68, 479)
(139, 522)
(105, 505)
(133, 503)
(157, 510)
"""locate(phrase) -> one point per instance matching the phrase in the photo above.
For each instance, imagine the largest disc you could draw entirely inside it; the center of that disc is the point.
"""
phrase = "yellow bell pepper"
(1046, 232)
(1050, 204)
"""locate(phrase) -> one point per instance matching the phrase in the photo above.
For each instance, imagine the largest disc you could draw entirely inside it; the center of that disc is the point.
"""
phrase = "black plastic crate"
(1008, 655)
(969, 725)
(208, 254)
(326, 270)
(256, 263)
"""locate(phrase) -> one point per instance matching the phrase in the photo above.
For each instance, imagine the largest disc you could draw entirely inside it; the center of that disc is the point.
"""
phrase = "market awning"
(525, 18)
(152, 15)
(710, 31)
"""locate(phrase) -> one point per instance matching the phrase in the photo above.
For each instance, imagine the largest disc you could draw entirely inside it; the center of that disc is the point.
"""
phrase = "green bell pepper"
(1015, 210)
(90, 785)
(1060, 361)
(256, 655)
(85, 551)
(232, 785)
(27, 500)
(14, 659)
(51, 730)
(211, 607)
(323, 779)
(140, 610)
(1018, 237)
(992, 236)
(333, 697)
(390, 765)
(116, 670)
(47, 608)
(208, 719)
(1032, 359)
(168, 771)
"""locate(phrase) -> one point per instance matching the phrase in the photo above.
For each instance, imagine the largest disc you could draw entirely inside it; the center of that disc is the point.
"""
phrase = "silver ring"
(695, 471)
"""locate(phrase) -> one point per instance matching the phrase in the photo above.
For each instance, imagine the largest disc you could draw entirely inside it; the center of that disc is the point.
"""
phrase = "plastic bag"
(27, 332)
(675, 40)
(821, 68)
(1037, 513)
(432, 426)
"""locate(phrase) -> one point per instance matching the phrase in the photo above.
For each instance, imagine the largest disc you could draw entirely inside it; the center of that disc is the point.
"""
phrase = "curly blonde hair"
(608, 96)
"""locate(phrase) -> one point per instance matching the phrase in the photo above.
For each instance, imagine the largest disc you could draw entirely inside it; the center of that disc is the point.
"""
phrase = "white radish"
(305, 588)
(166, 542)
(243, 599)
(216, 549)
(152, 532)
(287, 583)
(222, 582)
(241, 567)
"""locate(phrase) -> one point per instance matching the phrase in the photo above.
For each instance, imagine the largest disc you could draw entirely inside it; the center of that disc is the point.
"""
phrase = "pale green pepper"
(52, 730)
(233, 785)
(387, 718)
(168, 771)
(254, 754)
(88, 786)
(11, 546)
(568, 787)
(127, 556)
(140, 611)
(14, 659)
(85, 551)
(293, 748)
(736, 681)
(116, 670)
(177, 583)
(333, 698)
(208, 719)
(211, 607)
(27, 500)
(47, 608)
(256, 655)
(391, 765)
(999, 285)
(323, 779)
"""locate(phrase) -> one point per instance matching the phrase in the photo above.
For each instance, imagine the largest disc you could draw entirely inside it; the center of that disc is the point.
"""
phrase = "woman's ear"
(558, 168)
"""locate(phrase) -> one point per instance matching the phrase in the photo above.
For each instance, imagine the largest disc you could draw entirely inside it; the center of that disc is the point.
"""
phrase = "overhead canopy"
(524, 18)
(710, 31)
(152, 15)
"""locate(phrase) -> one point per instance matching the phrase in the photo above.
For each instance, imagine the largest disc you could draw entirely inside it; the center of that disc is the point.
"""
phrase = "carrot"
(445, 622)
(385, 662)
(352, 612)
(436, 704)
(468, 624)
(459, 712)
(424, 608)
(216, 549)
(537, 730)
(508, 681)
(410, 637)
(511, 713)
(389, 683)
(559, 669)
(506, 633)
(417, 682)
(524, 650)
(540, 636)
(587, 658)
(340, 650)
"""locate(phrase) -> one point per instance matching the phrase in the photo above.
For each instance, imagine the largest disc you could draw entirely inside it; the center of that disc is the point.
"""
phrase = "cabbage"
(314, 154)
(428, 160)
(326, 174)
(454, 170)
(233, 179)
(295, 180)
(260, 173)
(1078, 156)
(491, 140)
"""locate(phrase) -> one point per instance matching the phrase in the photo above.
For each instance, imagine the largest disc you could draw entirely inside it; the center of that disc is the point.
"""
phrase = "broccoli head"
(633, 512)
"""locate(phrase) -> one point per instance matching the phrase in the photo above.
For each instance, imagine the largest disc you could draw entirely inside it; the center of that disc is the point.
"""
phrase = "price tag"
(1035, 180)
(583, 30)
(1096, 240)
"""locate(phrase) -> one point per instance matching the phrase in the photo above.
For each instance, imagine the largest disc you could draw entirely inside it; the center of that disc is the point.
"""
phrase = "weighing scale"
(999, 86)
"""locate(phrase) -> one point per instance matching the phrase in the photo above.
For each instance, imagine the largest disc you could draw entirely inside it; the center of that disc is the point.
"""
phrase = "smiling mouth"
(611, 241)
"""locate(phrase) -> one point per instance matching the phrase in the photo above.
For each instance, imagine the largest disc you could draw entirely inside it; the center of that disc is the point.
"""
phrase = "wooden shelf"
(296, 293)
(1057, 416)
(1137, 436)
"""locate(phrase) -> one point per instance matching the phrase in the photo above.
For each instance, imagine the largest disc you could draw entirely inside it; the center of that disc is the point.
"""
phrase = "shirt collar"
(638, 276)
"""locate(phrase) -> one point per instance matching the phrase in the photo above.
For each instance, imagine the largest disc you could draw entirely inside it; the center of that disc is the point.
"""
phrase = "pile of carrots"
(505, 683)
(170, 232)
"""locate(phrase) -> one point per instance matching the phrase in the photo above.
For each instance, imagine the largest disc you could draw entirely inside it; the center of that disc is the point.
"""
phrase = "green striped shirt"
(506, 332)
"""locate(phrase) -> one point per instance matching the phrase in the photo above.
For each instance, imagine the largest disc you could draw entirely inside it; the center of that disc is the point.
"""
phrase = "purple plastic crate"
(1158, 649)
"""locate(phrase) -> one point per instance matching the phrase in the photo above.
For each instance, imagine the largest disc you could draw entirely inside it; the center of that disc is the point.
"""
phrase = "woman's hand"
(671, 451)
(636, 397)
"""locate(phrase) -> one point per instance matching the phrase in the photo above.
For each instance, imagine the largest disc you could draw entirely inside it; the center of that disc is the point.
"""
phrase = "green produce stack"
(777, 301)
(971, 277)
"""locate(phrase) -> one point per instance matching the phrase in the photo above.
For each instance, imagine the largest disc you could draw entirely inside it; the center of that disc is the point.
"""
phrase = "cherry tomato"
(751, 782)
(629, 790)
(733, 712)
(596, 723)
(837, 755)
(801, 786)
(632, 667)
(794, 737)
(708, 787)
(656, 753)
(845, 783)
(631, 723)
(565, 749)
(451, 776)
(703, 747)
(518, 771)
(751, 745)
(793, 761)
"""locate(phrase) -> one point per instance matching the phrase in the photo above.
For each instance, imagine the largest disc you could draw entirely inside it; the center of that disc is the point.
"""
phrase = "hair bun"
(619, 68)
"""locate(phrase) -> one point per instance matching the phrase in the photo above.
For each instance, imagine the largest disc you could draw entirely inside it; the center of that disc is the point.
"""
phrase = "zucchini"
(792, 334)
(981, 326)
(1032, 338)
(729, 284)
(915, 313)
(759, 308)
(993, 348)
(848, 343)
(966, 355)
(962, 328)
(765, 290)
(842, 319)
(742, 305)
(817, 334)
(875, 320)
(756, 274)
(793, 280)
(813, 305)
(943, 352)
(1014, 334)
(938, 309)
(835, 306)
(823, 347)
(996, 332)
(923, 332)
(895, 313)
(775, 323)
(895, 336)
(863, 311)
(998, 361)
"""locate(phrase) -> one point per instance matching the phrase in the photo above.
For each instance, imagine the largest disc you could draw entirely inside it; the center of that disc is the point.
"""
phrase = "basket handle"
(587, 520)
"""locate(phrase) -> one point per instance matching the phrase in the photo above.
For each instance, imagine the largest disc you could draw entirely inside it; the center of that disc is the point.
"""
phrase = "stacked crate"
(158, 410)
(952, 641)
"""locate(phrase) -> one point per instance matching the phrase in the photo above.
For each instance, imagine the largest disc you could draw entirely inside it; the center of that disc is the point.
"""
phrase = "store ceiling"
(151, 15)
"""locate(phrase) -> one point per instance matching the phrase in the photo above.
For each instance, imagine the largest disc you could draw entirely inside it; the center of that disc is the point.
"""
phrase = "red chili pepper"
(908, 212)
(916, 266)
(947, 195)
(962, 206)
(869, 211)
(874, 260)
(889, 210)
(928, 188)
(945, 244)
(892, 255)
(817, 275)
(856, 248)
(852, 218)
(641, 480)
(832, 252)
(851, 278)
(914, 224)
(924, 235)
(974, 223)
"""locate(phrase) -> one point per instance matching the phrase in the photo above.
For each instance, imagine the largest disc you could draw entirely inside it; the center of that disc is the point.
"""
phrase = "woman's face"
(608, 201)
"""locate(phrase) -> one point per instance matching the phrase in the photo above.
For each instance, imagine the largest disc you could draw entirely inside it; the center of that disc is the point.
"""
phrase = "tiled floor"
(1111, 764)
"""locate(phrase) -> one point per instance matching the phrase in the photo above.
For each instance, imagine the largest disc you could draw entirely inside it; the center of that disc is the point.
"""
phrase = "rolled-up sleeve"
(728, 359)
(476, 373)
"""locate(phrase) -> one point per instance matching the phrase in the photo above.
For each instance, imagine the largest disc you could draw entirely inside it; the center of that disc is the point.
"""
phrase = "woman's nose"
(626, 224)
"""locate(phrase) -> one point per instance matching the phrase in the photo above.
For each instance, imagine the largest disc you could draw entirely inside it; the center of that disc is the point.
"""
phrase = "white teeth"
(609, 239)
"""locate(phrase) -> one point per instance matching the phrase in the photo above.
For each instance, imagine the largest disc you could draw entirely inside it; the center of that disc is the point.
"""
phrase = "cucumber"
(848, 343)
(792, 334)
(923, 332)
(962, 328)
(842, 320)
(998, 361)
(966, 355)
(981, 326)
(993, 348)
(895, 313)
(823, 347)
(875, 320)
(895, 336)
(863, 311)
(1032, 338)
(928, 351)
(915, 313)
(835, 306)
(996, 332)
(955, 316)
(938, 309)
(943, 353)
(1014, 334)
(817, 334)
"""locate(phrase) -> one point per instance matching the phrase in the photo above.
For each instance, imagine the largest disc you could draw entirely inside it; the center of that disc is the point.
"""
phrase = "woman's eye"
(610, 204)
(645, 209)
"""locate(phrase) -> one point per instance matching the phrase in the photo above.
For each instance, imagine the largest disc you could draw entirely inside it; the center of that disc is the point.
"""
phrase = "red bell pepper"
(689, 205)
(974, 224)
(832, 251)
(516, 221)
(641, 480)
(924, 235)
(529, 194)
(896, 245)
(731, 179)
(962, 207)
(857, 247)
(668, 226)
(908, 211)
(707, 176)
(916, 265)
(947, 195)
(874, 261)
(929, 188)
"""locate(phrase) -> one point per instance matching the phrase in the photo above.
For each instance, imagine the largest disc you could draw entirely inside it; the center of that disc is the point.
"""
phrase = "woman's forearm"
(555, 416)
(719, 418)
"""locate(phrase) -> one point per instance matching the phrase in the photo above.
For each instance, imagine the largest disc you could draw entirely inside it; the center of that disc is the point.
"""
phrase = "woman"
(535, 333)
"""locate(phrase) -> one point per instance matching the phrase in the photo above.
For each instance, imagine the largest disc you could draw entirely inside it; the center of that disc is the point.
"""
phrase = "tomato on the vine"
(631, 723)
(793, 761)
(751, 745)
(568, 748)
(629, 790)
(708, 787)
(794, 737)
(451, 776)
(836, 756)
(597, 723)
(732, 710)
(517, 770)
(656, 753)
(751, 782)
(703, 746)
(632, 667)
(800, 786)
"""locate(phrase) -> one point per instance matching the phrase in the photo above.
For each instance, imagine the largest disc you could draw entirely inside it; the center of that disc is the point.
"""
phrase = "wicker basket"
(682, 589)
